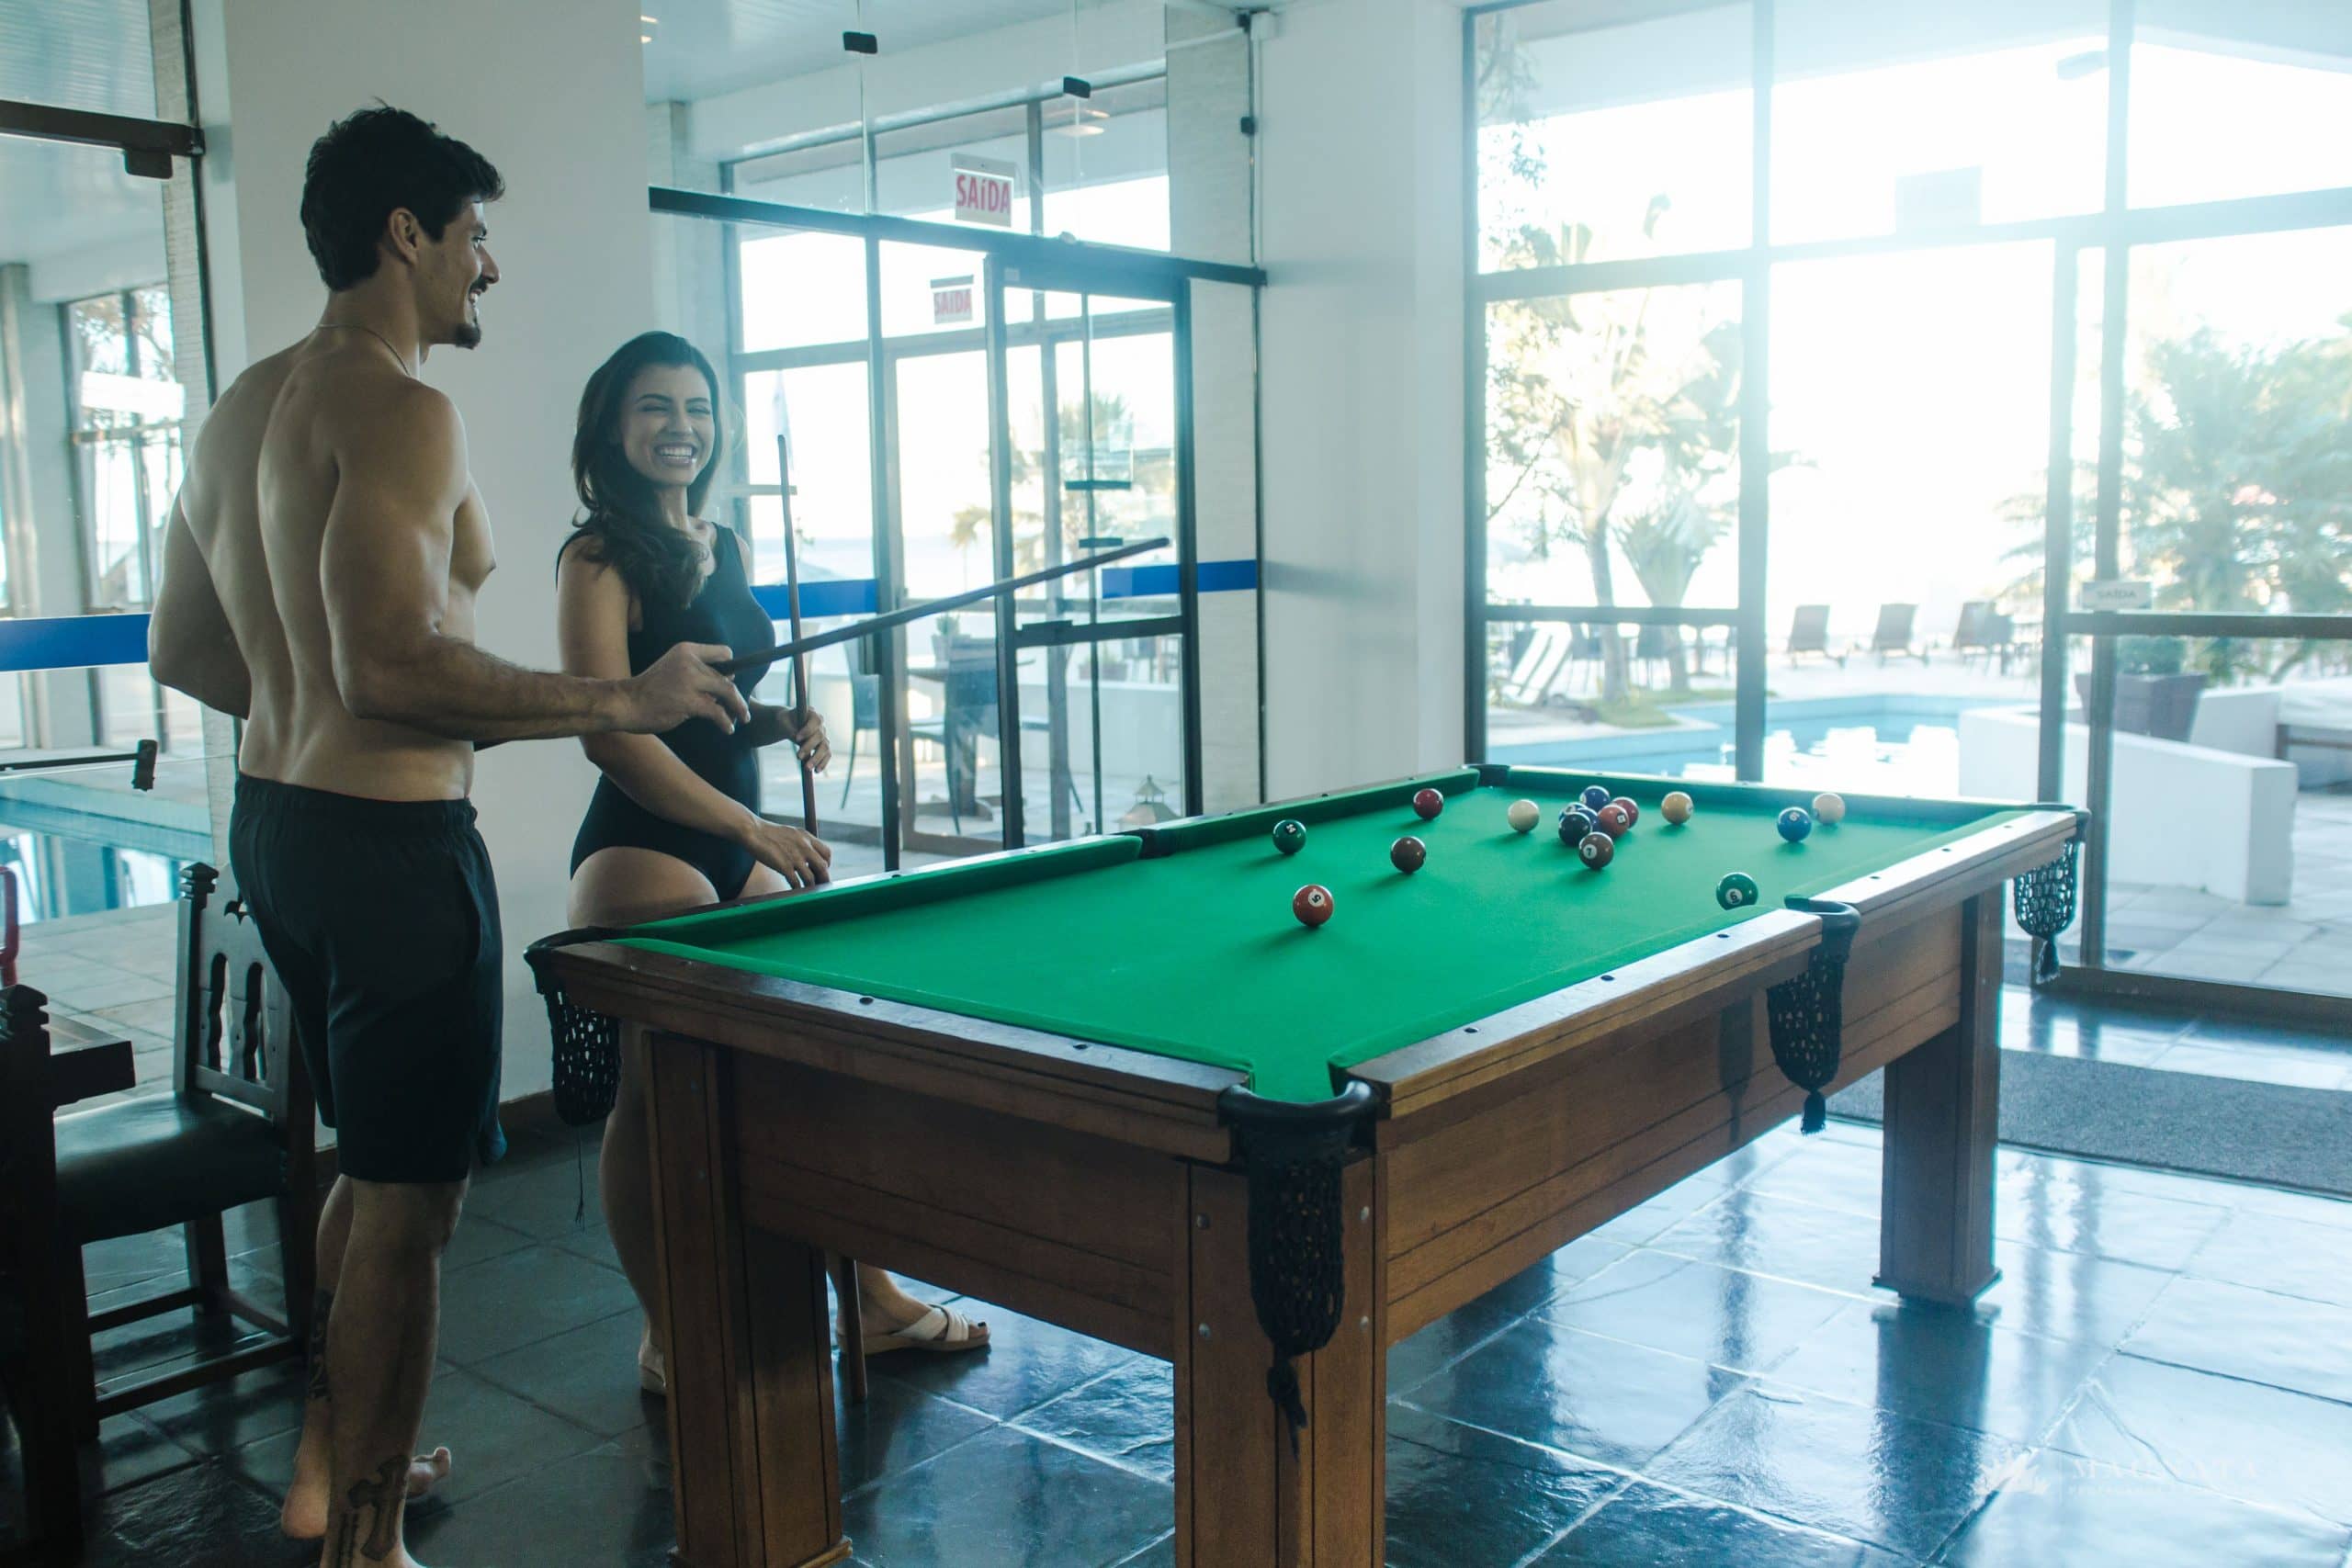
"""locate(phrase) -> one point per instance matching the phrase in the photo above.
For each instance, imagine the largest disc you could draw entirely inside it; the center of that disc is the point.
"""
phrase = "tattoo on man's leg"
(321, 1304)
(380, 1499)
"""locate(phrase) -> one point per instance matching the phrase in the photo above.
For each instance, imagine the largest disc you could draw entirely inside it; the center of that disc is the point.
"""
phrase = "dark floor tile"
(493, 1436)
(1832, 1174)
(1941, 1365)
(1008, 1498)
(587, 1375)
(131, 1259)
(2243, 1440)
(1457, 1495)
(1648, 1523)
(2077, 1206)
(223, 1417)
(203, 1517)
(1127, 1416)
(897, 1428)
(1722, 1315)
(505, 1304)
(2060, 1511)
(1417, 1358)
(2068, 1295)
(1870, 1474)
(479, 1238)
(2284, 1341)
(130, 1449)
(1597, 1398)
(1026, 1363)
(1640, 1223)
(608, 1508)
(1790, 1239)
(543, 1200)
(1160, 1554)
(2294, 1257)
(2288, 1036)
(594, 1242)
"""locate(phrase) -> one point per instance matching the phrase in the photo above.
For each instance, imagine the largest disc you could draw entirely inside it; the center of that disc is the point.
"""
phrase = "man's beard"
(469, 331)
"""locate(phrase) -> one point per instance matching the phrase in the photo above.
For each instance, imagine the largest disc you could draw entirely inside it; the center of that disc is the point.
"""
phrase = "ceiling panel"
(703, 47)
(78, 54)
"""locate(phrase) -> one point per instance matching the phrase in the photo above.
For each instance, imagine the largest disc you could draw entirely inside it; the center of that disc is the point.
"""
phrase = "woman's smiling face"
(667, 428)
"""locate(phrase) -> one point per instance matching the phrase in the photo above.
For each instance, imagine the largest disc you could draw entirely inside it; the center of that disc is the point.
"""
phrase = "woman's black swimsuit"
(723, 611)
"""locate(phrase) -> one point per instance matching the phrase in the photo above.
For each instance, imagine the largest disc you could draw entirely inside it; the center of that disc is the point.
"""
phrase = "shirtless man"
(321, 567)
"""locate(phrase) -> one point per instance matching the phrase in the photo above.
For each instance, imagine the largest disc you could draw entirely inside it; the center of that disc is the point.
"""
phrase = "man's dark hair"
(372, 163)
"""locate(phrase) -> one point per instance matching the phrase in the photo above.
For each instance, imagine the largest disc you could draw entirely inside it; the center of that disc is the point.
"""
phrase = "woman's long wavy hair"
(623, 523)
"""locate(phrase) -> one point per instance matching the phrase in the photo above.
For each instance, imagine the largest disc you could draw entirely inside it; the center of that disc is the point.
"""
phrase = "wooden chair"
(1893, 638)
(235, 1128)
(35, 1351)
(1809, 633)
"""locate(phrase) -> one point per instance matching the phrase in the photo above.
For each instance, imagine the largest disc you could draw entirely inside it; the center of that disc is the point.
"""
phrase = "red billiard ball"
(1428, 803)
(1312, 905)
(1614, 820)
(1597, 850)
(1633, 812)
(1407, 853)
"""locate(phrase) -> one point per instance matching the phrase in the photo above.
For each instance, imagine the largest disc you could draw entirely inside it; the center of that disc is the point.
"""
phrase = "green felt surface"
(1196, 954)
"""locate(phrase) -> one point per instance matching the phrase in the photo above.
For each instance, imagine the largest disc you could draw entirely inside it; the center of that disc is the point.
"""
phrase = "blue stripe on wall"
(856, 596)
(72, 642)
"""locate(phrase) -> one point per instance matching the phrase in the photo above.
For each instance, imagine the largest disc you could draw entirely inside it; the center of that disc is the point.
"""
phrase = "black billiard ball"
(1576, 821)
(1427, 803)
(1597, 850)
(1290, 835)
(1794, 823)
(1596, 796)
(1407, 853)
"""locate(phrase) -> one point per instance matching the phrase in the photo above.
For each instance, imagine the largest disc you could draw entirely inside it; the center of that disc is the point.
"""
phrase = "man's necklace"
(357, 327)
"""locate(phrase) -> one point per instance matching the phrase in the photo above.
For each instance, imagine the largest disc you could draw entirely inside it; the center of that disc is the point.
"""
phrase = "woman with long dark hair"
(676, 821)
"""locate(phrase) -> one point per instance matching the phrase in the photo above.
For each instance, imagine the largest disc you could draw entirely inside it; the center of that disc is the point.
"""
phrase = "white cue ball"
(1524, 815)
(1829, 807)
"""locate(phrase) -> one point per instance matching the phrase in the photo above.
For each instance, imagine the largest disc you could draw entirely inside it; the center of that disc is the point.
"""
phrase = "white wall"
(1360, 161)
(552, 95)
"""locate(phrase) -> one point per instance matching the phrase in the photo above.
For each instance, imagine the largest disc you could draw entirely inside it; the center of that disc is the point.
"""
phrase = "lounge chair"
(1985, 630)
(1892, 638)
(1809, 633)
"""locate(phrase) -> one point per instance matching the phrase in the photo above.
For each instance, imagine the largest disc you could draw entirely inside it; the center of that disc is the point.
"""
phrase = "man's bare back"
(258, 495)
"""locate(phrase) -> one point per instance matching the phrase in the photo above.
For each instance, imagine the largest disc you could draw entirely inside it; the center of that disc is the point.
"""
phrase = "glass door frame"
(1011, 260)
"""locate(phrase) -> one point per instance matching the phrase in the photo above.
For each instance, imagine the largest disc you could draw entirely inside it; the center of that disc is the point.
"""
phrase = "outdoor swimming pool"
(1868, 746)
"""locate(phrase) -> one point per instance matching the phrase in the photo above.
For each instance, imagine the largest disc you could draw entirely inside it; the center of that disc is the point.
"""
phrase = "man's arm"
(384, 571)
(189, 645)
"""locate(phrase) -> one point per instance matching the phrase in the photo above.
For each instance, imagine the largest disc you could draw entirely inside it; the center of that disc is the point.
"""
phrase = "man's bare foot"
(304, 1515)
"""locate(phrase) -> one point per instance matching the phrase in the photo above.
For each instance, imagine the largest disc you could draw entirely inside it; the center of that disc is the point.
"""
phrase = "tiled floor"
(2163, 1375)
(2304, 944)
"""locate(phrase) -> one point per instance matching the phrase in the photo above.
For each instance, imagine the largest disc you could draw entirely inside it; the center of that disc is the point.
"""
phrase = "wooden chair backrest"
(234, 1028)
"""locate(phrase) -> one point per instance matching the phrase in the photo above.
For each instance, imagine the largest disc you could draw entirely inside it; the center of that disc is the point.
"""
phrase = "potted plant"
(2153, 695)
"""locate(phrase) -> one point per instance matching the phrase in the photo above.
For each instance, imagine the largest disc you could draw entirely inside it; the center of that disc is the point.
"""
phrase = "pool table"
(1079, 1079)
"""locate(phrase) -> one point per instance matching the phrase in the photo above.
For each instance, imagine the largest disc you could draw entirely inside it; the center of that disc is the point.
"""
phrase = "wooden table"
(1108, 1188)
(85, 1063)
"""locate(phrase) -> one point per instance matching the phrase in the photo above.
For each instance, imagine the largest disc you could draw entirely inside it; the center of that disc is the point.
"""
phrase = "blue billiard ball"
(1596, 796)
(1576, 821)
(1794, 823)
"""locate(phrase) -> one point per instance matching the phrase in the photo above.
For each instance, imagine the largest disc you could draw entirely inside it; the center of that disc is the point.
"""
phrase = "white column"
(552, 93)
(1359, 152)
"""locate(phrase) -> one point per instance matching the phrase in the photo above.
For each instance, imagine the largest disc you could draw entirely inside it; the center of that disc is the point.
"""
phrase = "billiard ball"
(1597, 851)
(1290, 835)
(1829, 807)
(1614, 820)
(1736, 890)
(1427, 803)
(1633, 812)
(1675, 807)
(1794, 823)
(1312, 905)
(1576, 821)
(1407, 853)
(1524, 816)
(1596, 796)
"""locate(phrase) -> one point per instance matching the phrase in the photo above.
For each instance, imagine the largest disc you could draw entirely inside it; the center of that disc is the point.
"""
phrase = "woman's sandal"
(939, 1330)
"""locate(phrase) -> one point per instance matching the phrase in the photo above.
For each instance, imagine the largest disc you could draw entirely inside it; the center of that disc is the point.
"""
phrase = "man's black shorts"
(381, 919)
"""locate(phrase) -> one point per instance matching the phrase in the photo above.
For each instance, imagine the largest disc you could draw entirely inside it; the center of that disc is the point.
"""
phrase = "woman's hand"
(803, 860)
(815, 746)
(812, 745)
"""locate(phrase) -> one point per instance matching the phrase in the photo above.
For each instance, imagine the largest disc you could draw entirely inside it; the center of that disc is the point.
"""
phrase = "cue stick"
(792, 609)
(912, 612)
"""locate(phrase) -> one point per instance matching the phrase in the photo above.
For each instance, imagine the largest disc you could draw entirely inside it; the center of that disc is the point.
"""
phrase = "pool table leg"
(1243, 1498)
(755, 1476)
(1942, 1104)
